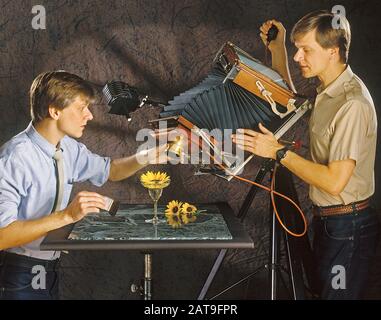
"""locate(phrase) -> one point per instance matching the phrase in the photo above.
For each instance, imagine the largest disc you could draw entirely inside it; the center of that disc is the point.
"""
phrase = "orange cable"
(272, 193)
(292, 202)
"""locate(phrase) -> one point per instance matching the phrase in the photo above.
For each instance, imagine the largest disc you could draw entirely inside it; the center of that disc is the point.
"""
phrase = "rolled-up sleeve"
(90, 167)
(12, 187)
(350, 129)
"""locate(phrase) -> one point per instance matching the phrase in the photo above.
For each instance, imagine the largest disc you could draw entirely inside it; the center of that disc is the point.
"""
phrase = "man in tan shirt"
(343, 126)
(343, 132)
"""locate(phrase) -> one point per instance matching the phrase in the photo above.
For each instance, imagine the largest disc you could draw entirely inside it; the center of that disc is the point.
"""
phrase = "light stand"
(123, 100)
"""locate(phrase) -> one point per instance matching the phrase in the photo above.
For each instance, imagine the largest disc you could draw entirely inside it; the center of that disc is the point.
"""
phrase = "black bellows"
(215, 104)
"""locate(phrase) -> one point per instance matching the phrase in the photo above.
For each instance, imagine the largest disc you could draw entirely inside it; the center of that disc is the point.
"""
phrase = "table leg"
(212, 274)
(147, 276)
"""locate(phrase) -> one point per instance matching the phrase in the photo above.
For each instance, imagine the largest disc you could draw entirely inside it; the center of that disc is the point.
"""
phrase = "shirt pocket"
(320, 143)
(320, 130)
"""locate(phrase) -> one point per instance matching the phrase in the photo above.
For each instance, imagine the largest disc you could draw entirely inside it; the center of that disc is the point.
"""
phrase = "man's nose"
(89, 115)
(298, 56)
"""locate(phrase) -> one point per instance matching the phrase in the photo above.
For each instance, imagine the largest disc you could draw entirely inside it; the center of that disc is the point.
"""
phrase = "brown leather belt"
(340, 209)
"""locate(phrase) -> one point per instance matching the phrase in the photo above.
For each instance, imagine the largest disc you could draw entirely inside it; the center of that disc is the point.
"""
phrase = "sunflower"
(188, 213)
(174, 220)
(188, 208)
(188, 217)
(173, 208)
(155, 180)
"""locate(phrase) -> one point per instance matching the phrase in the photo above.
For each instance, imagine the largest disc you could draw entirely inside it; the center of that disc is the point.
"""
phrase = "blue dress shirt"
(28, 180)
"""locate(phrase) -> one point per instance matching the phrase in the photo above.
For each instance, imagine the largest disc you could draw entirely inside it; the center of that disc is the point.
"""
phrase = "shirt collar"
(337, 86)
(48, 148)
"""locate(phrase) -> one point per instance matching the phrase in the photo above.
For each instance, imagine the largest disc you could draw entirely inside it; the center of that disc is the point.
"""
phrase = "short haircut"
(326, 35)
(58, 89)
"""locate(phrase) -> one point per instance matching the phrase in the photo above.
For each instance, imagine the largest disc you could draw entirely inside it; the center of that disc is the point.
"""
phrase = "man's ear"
(54, 112)
(334, 52)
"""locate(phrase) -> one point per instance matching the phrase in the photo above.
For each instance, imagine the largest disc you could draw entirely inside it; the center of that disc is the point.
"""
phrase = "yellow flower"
(173, 208)
(188, 217)
(179, 213)
(188, 213)
(174, 220)
(188, 208)
(155, 180)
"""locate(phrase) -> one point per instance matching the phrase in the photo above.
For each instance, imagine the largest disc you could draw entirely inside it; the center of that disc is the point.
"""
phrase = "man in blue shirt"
(29, 181)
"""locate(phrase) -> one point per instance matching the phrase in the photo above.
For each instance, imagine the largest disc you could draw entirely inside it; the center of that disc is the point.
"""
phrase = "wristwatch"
(281, 153)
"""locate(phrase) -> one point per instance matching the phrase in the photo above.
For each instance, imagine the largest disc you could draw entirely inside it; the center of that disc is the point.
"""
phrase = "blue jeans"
(343, 249)
(16, 278)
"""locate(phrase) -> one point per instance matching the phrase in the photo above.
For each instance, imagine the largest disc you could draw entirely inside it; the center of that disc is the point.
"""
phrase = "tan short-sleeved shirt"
(343, 125)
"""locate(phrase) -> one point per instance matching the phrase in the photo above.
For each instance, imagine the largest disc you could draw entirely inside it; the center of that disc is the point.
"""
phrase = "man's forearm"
(123, 168)
(332, 178)
(21, 232)
(280, 64)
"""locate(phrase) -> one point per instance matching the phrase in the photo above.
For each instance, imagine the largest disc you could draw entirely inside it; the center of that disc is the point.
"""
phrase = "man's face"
(73, 118)
(311, 57)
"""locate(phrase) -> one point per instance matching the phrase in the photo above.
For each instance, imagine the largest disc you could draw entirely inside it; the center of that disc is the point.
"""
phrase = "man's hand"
(278, 50)
(280, 41)
(84, 203)
(156, 155)
(126, 167)
(261, 144)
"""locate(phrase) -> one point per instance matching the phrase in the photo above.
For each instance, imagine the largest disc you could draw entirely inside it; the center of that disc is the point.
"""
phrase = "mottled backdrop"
(162, 48)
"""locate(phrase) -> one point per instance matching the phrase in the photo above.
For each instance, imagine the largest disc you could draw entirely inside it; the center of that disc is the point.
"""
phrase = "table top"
(215, 227)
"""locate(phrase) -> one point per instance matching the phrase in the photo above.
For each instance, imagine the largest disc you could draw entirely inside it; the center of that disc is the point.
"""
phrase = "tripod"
(298, 251)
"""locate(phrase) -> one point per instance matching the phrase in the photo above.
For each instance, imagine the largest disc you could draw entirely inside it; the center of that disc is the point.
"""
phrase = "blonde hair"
(326, 35)
(58, 89)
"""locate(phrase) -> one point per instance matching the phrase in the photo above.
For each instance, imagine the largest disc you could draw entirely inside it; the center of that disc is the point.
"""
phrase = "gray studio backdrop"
(163, 48)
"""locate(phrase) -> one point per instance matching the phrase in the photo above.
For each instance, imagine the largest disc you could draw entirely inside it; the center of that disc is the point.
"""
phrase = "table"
(216, 228)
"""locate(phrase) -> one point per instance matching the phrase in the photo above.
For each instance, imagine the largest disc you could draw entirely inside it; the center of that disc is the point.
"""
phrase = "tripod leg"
(274, 253)
(212, 274)
(295, 269)
(293, 246)
(264, 169)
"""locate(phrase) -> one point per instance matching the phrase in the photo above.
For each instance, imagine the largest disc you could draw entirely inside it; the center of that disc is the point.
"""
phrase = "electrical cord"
(273, 192)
